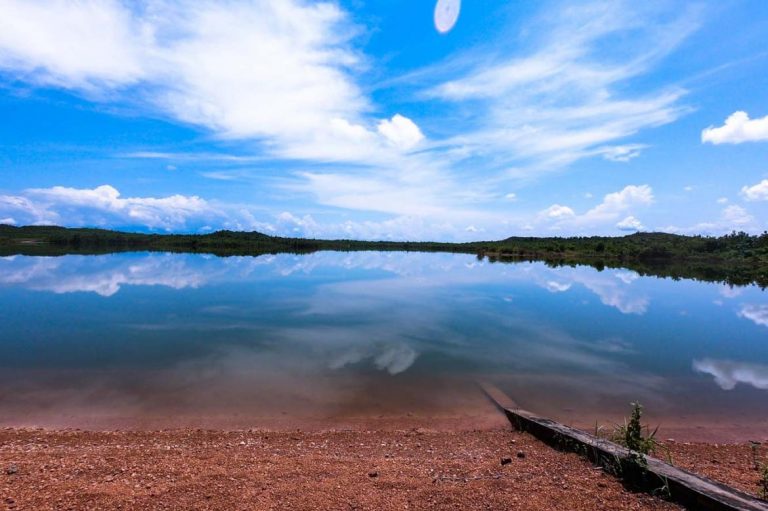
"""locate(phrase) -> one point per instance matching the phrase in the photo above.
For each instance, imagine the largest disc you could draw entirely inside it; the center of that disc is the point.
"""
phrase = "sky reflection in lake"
(128, 337)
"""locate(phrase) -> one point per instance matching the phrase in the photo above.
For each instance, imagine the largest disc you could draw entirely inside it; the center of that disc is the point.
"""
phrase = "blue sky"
(358, 119)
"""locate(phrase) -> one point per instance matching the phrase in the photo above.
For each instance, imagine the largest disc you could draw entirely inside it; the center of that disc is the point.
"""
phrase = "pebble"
(373, 473)
(520, 454)
(12, 469)
(506, 461)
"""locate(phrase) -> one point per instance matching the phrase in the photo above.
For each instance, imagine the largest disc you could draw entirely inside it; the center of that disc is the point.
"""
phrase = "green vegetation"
(735, 259)
(763, 482)
(631, 435)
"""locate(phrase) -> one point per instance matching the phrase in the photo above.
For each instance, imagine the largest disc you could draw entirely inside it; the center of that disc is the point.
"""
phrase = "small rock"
(373, 473)
(506, 461)
(520, 454)
(12, 469)
(109, 479)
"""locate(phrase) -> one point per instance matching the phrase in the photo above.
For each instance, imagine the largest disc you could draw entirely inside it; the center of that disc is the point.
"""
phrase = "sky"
(360, 119)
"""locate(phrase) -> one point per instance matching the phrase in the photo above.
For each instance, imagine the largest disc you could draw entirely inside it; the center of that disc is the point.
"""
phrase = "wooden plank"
(652, 475)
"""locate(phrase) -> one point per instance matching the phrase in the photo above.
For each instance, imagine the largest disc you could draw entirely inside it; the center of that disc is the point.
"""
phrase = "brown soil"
(732, 464)
(196, 469)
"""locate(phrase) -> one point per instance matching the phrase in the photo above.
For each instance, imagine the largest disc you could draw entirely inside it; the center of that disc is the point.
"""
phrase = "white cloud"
(557, 211)
(288, 75)
(688, 188)
(8, 221)
(608, 212)
(738, 128)
(627, 277)
(758, 314)
(728, 374)
(74, 274)
(282, 72)
(630, 224)
(557, 287)
(617, 202)
(731, 217)
(511, 196)
(730, 291)
(756, 192)
(396, 359)
(737, 216)
(88, 45)
(401, 132)
(104, 205)
(623, 153)
(613, 292)
(722, 200)
(558, 98)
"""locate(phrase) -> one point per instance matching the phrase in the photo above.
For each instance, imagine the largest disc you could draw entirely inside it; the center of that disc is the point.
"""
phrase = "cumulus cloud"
(728, 374)
(756, 192)
(731, 217)
(613, 292)
(627, 277)
(557, 211)
(737, 216)
(630, 224)
(8, 221)
(758, 314)
(104, 205)
(76, 274)
(394, 358)
(617, 202)
(401, 132)
(612, 207)
(738, 128)
(557, 287)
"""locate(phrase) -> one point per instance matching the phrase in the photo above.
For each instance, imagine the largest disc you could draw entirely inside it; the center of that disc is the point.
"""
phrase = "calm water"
(145, 339)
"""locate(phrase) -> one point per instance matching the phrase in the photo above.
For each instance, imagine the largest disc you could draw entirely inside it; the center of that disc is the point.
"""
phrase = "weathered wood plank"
(653, 475)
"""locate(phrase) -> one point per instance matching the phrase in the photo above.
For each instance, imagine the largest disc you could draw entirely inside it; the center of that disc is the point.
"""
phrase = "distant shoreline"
(733, 259)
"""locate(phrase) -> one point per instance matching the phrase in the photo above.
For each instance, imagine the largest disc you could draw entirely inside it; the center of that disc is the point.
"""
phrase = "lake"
(149, 340)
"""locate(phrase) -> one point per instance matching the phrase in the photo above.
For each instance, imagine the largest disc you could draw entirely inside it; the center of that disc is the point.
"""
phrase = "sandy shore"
(357, 469)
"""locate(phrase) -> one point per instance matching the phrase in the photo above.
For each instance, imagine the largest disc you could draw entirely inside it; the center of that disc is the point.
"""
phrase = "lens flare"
(446, 14)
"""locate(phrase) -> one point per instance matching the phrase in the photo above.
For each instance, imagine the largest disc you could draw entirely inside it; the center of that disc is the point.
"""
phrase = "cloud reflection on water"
(728, 374)
(758, 314)
(331, 327)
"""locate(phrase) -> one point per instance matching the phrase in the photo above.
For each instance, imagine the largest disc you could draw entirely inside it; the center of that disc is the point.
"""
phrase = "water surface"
(145, 340)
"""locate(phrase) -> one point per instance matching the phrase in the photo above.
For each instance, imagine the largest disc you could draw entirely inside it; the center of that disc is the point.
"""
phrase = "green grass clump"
(633, 435)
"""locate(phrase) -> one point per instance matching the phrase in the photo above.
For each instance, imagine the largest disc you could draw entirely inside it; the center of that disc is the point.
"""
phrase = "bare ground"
(733, 464)
(197, 469)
